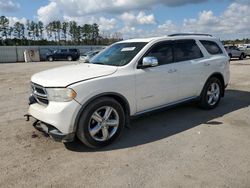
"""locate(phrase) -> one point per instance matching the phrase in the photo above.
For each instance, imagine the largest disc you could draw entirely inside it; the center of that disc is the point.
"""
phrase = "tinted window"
(186, 50)
(63, 51)
(163, 52)
(211, 47)
(73, 50)
(232, 47)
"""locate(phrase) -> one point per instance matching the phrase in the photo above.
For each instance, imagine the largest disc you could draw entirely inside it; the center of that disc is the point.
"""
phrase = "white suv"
(94, 101)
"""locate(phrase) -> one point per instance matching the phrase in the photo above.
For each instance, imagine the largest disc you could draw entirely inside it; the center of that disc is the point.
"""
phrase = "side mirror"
(150, 62)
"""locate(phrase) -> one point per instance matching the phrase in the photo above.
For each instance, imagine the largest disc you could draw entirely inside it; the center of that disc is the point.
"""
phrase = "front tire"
(50, 59)
(101, 123)
(211, 94)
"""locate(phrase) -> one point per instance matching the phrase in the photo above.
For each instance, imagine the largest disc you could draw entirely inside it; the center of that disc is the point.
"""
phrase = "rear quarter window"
(212, 47)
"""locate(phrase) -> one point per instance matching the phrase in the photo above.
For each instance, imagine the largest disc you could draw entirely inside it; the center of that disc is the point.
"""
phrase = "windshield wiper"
(98, 63)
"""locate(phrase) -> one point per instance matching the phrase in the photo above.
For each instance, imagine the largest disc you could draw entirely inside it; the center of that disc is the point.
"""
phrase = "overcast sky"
(226, 19)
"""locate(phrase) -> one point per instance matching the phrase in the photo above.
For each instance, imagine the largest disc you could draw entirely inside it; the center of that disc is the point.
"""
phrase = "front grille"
(40, 94)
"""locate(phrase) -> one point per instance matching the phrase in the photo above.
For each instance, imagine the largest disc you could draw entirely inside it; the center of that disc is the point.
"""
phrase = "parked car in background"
(88, 55)
(95, 100)
(64, 54)
(235, 52)
(247, 49)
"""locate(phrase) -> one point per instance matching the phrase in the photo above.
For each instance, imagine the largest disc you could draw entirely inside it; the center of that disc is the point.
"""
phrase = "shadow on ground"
(163, 124)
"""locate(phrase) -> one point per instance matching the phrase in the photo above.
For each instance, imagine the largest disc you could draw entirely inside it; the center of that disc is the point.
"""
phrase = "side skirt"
(165, 107)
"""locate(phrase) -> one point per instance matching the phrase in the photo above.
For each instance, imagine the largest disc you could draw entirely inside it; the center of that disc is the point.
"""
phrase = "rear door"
(235, 52)
(60, 54)
(191, 66)
(63, 54)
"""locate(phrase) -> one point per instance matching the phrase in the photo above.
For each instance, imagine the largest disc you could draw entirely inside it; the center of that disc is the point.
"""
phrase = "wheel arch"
(221, 78)
(118, 97)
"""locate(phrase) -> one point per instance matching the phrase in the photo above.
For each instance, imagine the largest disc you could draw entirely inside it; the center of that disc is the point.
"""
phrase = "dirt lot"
(181, 147)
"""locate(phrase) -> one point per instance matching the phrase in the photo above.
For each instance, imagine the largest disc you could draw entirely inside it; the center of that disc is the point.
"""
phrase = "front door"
(157, 86)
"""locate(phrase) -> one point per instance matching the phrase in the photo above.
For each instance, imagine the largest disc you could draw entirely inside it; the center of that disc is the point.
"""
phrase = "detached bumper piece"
(53, 132)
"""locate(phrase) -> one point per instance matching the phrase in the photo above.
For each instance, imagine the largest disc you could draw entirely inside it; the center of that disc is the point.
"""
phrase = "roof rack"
(189, 34)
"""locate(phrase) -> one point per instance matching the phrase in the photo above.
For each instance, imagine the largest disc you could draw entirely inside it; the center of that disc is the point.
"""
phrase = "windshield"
(88, 53)
(118, 54)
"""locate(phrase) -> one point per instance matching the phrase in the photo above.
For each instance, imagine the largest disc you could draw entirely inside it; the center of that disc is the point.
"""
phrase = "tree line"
(237, 41)
(54, 33)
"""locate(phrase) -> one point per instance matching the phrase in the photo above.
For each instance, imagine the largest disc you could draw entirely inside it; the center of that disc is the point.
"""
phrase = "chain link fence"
(12, 54)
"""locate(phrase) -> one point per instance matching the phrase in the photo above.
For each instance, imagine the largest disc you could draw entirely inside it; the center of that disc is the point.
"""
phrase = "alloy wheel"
(213, 94)
(103, 123)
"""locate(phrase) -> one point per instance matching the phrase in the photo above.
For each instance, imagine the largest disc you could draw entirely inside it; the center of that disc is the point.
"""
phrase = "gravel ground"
(181, 147)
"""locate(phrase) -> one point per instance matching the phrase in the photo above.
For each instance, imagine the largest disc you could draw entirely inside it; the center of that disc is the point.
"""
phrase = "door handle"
(172, 71)
(206, 64)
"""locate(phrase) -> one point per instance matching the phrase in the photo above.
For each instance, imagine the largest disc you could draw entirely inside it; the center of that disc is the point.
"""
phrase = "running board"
(169, 105)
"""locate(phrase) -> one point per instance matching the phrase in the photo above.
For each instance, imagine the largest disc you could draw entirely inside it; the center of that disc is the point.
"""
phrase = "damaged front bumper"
(51, 131)
(56, 119)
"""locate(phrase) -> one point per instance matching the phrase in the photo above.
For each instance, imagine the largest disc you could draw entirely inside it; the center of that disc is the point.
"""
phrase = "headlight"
(60, 94)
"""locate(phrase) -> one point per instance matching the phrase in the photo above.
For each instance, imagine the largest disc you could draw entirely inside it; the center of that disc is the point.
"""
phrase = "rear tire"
(241, 56)
(69, 58)
(211, 94)
(101, 123)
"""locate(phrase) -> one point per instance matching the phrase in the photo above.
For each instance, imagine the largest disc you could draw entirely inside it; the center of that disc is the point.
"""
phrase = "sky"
(226, 19)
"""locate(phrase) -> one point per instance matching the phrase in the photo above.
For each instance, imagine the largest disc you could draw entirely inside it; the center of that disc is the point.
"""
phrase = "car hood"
(67, 75)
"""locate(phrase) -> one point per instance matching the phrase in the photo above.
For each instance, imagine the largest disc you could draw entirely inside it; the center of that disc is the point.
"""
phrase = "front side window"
(185, 50)
(211, 47)
(163, 52)
(118, 54)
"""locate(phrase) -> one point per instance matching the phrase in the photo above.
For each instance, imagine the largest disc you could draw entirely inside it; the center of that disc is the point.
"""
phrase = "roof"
(170, 37)
(141, 39)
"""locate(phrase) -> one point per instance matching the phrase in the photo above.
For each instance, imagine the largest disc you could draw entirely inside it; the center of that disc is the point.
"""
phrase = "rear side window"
(211, 47)
(63, 51)
(73, 50)
(185, 50)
